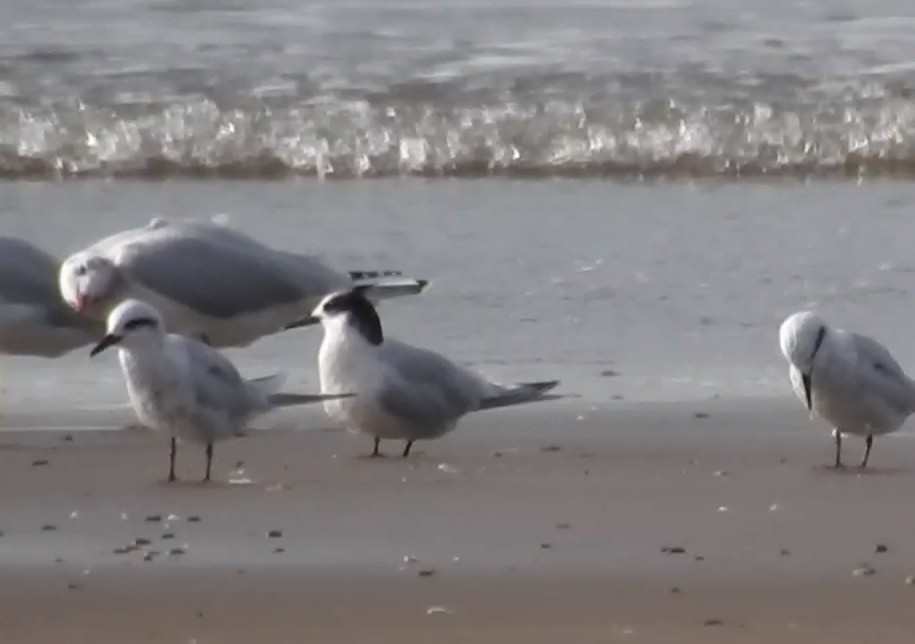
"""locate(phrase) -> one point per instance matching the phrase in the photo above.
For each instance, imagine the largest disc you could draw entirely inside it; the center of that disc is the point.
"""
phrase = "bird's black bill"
(807, 393)
(107, 341)
(306, 321)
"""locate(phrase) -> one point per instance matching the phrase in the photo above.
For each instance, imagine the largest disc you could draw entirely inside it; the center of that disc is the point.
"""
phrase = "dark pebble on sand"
(426, 572)
(239, 464)
(609, 373)
(140, 541)
(72, 586)
(39, 462)
(676, 550)
(48, 527)
(700, 414)
(699, 558)
(881, 548)
(149, 556)
(546, 546)
(176, 552)
(193, 519)
(784, 552)
(712, 622)
(154, 518)
(68, 438)
(275, 534)
(551, 448)
(122, 551)
(279, 551)
(168, 535)
(675, 590)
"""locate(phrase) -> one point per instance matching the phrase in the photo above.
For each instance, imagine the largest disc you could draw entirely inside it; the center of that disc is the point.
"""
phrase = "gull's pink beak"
(82, 300)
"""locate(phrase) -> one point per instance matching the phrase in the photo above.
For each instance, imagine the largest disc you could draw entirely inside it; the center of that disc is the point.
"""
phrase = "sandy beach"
(553, 521)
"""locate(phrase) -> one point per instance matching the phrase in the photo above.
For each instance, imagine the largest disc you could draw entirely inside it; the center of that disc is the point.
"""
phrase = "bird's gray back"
(28, 275)
(218, 387)
(425, 388)
(221, 273)
(881, 375)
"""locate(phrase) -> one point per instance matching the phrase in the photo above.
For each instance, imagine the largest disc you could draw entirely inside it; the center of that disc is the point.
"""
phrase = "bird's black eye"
(136, 323)
(81, 270)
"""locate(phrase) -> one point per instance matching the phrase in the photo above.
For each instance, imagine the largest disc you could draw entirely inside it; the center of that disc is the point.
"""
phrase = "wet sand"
(531, 524)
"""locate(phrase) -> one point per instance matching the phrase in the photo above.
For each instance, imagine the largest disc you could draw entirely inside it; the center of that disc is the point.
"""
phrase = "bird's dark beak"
(306, 321)
(806, 379)
(108, 341)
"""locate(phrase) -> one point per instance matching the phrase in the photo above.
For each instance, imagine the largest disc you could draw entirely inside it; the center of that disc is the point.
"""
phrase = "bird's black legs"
(867, 452)
(375, 452)
(406, 450)
(171, 460)
(209, 453)
(838, 448)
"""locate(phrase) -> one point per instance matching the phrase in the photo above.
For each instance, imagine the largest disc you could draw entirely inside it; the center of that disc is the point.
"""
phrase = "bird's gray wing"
(214, 277)
(28, 276)
(882, 375)
(425, 387)
(217, 383)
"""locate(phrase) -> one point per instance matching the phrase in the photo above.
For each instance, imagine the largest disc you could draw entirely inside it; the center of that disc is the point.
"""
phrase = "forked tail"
(287, 400)
(383, 285)
(268, 386)
(521, 393)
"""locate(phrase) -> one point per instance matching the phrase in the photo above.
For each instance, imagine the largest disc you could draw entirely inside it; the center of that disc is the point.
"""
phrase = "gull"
(850, 380)
(33, 318)
(210, 281)
(402, 392)
(185, 388)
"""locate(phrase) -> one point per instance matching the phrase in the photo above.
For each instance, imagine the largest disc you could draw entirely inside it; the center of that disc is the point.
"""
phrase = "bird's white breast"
(155, 390)
(346, 363)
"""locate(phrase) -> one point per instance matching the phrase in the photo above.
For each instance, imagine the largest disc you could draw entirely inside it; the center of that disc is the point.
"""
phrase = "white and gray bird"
(850, 380)
(33, 318)
(402, 392)
(210, 281)
(184, 388)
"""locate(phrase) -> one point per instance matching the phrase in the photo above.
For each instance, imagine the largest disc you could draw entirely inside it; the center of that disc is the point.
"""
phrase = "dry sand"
(524, 525)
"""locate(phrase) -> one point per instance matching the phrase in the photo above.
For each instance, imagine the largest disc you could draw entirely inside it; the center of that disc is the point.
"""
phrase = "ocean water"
(465, 88)
(627, 195)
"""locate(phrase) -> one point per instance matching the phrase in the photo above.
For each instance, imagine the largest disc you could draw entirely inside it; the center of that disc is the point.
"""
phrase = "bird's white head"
(132, 324)
(352, 311)
(85, 281)
(801, 336)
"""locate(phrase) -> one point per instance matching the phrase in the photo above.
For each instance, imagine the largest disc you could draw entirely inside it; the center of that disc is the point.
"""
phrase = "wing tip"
(542, 386)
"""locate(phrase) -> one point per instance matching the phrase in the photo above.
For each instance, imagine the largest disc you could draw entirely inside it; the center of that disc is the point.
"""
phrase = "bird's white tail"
(520, 393)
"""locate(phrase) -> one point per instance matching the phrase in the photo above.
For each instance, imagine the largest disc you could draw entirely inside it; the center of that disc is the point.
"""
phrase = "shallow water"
(150, 88)
(677, 289)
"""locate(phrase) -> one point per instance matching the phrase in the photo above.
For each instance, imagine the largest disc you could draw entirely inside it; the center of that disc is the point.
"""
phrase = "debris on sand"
(274, 534)
(880, 548)
(676, 550)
